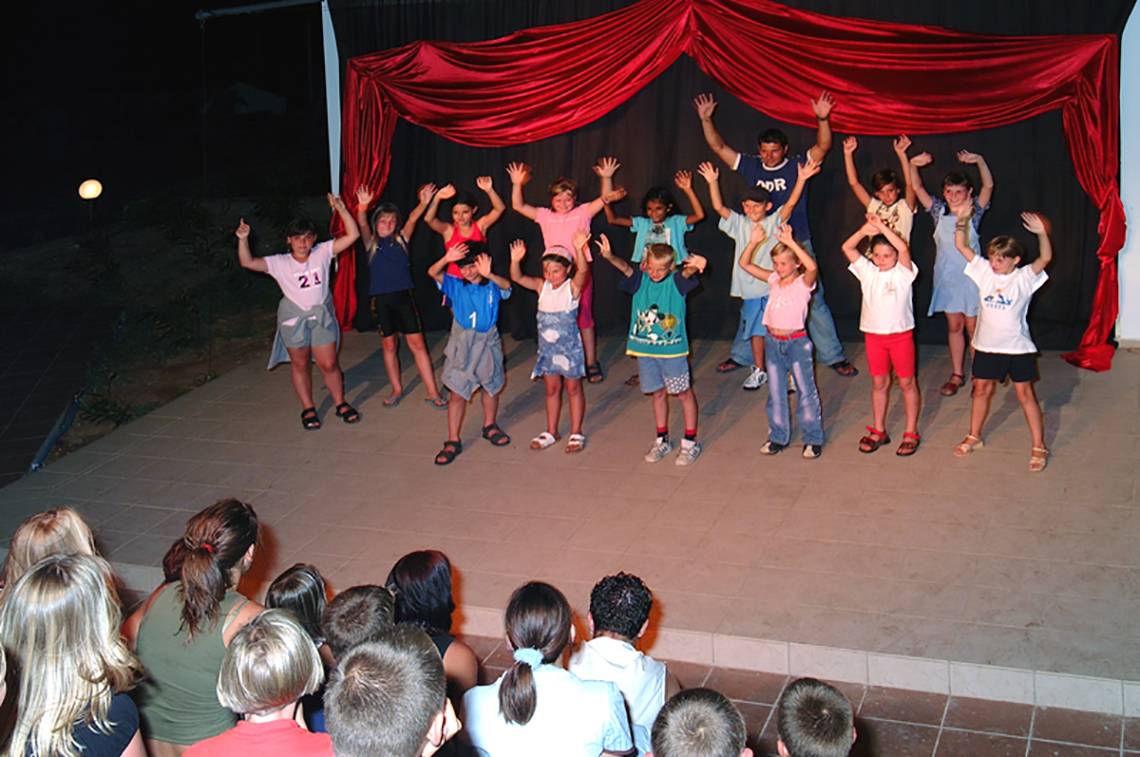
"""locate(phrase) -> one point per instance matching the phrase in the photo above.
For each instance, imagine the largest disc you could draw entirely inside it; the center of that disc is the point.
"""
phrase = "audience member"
(58, 531)
(699, 723)
(814, 720)
(357, 615)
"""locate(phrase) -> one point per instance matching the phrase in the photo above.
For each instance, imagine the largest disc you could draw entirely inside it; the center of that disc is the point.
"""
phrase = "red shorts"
(885, 351)
(586, 304)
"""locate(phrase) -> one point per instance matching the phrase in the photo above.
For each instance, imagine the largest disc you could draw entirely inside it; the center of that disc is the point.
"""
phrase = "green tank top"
(178, 698)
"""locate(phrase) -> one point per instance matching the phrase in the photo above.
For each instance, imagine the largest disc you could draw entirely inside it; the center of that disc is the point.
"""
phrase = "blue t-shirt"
(475, 306)
(123, 714)
(657, 318)
(389, 269)
(779, 182)
(671, 231)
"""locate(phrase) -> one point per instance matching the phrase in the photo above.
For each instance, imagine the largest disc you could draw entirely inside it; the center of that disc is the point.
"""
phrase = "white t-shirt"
(560, 300)
(572, 718)
(888, 301)
(1002, 327)
(306, 283)
(640, 678)
(898, 217)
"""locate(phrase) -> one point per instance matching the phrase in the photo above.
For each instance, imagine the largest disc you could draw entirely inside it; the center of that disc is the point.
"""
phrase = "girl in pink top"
(786, 346)
(559, 223)
(464, 227)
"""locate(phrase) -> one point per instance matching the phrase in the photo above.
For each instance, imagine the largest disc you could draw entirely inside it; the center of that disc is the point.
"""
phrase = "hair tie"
(208, 547)
(529, 656)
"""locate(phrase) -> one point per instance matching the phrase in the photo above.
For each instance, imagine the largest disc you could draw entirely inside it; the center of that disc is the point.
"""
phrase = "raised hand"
(242, 230)
(446, 192)
(455, 253)
(922, 159)
(874, 225)
(758, 235)
(335, 202)
(603, 243)
(1035, 223)
(363, 196)
(483, 265)
(850, 145)
(519, 172)
(902, 144)
(580, 239)
(784, 234)
(484, 183)
(705, 104)
(964, 212)
(518, 251)
(683, 179)
(708, 171)
(607, 166)
(808, 169)
(425, 192)
(694, 262)
(965, 156)
(822, 107)
(614, 195)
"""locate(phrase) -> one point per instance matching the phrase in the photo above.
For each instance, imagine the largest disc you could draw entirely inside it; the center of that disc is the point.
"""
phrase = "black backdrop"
(657, 132)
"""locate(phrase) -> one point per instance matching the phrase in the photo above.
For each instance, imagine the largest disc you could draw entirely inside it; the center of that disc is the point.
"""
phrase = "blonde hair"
(58, 531)
(660, 251)
(270, 663)
(60, 623)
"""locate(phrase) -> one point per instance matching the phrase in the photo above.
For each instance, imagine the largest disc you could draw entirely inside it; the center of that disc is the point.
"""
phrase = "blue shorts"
(752, 318)
(668, 373)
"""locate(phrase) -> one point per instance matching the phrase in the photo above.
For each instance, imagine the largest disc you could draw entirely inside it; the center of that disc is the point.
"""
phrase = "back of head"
(538, 627)
(300, 227)
(300, 590)
(814, 720)
(421, 583)
(60, 622)
(620, 604)
(217, 541)
(58, 531)
(384, 695)
(698, 723)
(358, 614)
(271, 662)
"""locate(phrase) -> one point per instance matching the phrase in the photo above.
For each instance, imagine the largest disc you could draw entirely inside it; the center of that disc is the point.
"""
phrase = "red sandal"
(951, 387)
(874, 439)
(909, 444)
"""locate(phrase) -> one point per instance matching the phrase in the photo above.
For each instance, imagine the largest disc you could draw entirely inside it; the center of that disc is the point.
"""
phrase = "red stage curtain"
(887, 78)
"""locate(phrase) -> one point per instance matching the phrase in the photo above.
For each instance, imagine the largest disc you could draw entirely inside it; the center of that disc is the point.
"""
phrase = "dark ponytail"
(215, 542)
(538, 623)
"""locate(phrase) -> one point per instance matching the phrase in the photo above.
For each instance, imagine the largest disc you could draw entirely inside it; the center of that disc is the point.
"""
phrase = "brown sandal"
(951, 387)
(874, 439)
(909, 444)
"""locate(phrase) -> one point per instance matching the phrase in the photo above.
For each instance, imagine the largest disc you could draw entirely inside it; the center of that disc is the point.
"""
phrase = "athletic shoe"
(689, 453)
(812, 451)
(659, 450)
(755, 380)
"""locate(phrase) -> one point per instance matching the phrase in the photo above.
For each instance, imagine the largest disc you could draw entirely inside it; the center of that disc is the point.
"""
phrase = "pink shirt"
(558, 228)
(277, 738)
(787, 304)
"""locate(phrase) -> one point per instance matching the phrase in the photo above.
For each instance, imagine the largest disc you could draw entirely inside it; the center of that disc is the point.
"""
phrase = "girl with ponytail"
(536, 706)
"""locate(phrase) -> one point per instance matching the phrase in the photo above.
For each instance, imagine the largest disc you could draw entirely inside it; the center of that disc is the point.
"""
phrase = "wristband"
(824, 118)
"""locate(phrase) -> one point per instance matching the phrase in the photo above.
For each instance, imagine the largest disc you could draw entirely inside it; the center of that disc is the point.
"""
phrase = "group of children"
(784, 322)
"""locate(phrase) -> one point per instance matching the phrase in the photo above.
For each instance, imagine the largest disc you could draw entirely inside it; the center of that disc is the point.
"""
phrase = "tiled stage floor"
(956, 576)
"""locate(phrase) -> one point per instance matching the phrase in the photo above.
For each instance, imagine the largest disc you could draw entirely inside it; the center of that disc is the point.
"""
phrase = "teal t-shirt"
(671, 231)
(657, 318)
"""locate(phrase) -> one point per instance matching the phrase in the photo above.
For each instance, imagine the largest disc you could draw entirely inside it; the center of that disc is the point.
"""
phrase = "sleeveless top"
(476, 235)
(442, 641)
(178, 698)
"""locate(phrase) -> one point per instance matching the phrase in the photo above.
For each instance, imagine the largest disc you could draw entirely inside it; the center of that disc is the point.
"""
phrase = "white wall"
(1128, 324)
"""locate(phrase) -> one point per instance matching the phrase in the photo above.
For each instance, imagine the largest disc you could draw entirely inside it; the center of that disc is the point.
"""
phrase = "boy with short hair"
(357, 615)
(618, 617)
(699, 723)
(659, 340)
(814, 720)
(474, 352)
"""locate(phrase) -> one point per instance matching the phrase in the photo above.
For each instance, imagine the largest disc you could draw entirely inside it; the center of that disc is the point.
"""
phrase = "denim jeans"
(792, 355)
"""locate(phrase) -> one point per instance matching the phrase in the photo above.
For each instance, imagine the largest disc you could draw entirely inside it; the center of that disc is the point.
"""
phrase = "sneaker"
(812, 451)
(659, 450)
(690, 451)
(755, 380)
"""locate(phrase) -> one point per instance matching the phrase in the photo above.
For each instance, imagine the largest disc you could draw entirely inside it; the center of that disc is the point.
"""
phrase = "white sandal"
(543, 440)
(575, 443)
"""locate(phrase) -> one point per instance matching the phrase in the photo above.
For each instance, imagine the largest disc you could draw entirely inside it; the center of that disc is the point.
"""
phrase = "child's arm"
(758, 237)
(850, 145)
(453, 254)
(706, 105)
(245, 256)
(902, 144)
(822, 109)
(483, 266)
(605, 169)
(851, 246)
(351, 232)
(425, 195)
(987, 189)
(804, 171)
(518, 253)
(607, 253)
(520, 174)
(901, 247)
(363, 201)
(692, 265)
(711, 174)
(962, 233)
(811, 270)
(581, 265)
(684, 181)
(497, 206)
(439, 227)
(1039, 225)
(917, 162)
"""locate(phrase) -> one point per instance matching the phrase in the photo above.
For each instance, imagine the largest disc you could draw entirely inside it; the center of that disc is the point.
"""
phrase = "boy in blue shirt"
(659, 340)
(474, 353)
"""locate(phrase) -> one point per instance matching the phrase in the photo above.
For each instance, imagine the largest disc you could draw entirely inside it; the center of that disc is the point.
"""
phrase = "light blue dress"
(560, 351)
(954, 292)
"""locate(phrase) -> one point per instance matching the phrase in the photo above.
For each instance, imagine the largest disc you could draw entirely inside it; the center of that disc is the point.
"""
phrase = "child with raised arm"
(787, 348)
(1002, 343)
(954, 293)
(306, 324)
(464, 227)
(561, 360)
(887, 322)
(474, 353)
(559, 222)
(390, 289)
(659, 340)
(748, 346)
(894, 198)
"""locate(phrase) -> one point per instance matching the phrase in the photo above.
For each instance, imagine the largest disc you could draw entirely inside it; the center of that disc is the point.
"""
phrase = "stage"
(964, 576)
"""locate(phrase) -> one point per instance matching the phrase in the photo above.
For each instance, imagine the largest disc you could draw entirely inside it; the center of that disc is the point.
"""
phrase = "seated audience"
(356, 615)
(699, 723)
(58, 531)
(60, 622)
(537, 707)
(814, 720)
(301, 591)
(269, 665)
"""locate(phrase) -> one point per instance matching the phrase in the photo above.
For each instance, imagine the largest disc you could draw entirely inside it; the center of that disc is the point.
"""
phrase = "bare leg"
(971, 324)
(456, 409)
(325, 356)
(980, 406)
(391, 346)
(956, 340)
(880, 397)
(758, 351)
(490, 406)
(689, 408)
(661, 408)
(912, 401)
(577, 399)
(1032, 409)
(301, 375)
(553, 383)
(590, 345)
(418, 346)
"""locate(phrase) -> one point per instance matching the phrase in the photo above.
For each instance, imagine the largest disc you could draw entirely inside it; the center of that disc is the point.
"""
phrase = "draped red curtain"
(888, 79)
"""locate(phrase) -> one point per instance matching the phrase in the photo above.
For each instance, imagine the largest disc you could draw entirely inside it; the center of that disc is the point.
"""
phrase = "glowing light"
(90, 189)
